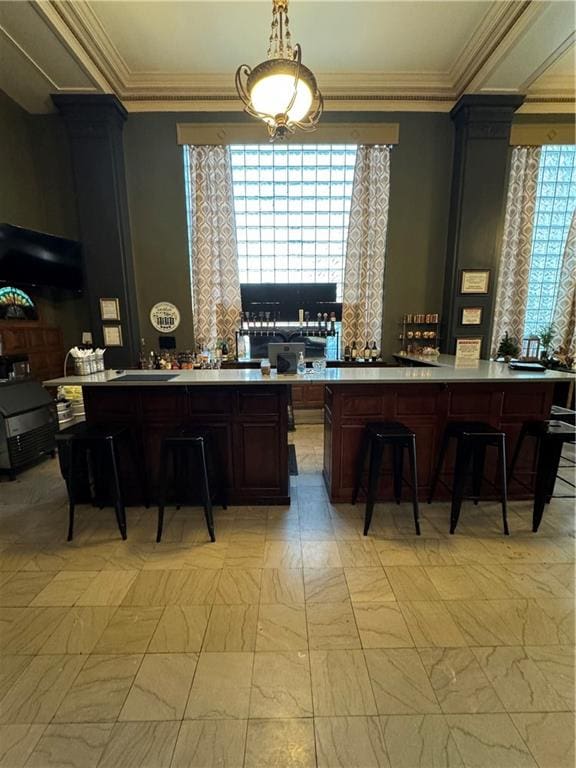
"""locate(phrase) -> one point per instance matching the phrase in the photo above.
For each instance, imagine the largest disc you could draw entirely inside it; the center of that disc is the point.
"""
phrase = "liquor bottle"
(301, 364)
(354, 352)
(225, 352)
(367, 353)
(142, 359)
(374, 352)
(347, 353)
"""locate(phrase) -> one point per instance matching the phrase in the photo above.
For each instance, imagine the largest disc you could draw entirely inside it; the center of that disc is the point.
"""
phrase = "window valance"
(327, 133)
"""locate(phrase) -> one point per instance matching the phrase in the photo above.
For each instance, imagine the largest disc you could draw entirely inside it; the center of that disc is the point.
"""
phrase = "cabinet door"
(258, 458)
(13, 340)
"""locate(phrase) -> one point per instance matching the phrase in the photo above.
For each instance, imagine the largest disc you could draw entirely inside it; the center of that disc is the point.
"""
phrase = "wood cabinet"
(307, 396)
(41, 343)
(426, 408)
(248, 424)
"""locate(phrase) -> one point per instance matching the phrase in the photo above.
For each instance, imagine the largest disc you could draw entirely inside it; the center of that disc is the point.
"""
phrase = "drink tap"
(307, 319)
(267, 314)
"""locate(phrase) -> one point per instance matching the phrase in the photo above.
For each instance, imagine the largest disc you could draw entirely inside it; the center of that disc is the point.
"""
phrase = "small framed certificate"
(471, 316)
(469, 349)
(109, 309)
(112, 335)
(474, 281)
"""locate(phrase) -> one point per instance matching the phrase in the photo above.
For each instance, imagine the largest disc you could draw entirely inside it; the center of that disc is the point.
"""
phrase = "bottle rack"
(419, 332)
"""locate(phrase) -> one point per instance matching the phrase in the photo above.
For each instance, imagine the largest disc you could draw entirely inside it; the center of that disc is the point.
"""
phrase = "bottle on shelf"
(374, 352)
(142, 359)
(225, 351)
(354, 352)
(367, 352)
(347, 353)
(301, 364)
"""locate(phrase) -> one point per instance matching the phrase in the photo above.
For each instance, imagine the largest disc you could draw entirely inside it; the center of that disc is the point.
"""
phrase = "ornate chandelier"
(281, 91)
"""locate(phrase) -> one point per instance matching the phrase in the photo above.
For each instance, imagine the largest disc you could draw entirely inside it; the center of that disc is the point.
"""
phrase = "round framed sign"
(165, 317)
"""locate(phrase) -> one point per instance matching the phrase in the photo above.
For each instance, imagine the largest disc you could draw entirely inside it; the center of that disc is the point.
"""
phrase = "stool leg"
(439, 465)
(398, 465)
(545, 477)
(503, 488)
(206, 493)
(478, 461)
(460, 470)
(162, 471)
(517, 450)
(70, 487)
(364, 444)
(554, 451)
(376, 451)
(414, 475)
(118, 503)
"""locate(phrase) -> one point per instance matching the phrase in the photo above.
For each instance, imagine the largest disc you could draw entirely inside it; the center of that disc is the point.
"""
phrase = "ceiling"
(377, 55)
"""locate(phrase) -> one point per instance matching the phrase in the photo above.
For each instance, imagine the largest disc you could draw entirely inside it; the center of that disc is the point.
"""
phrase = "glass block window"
(292, 206)
(555, 203)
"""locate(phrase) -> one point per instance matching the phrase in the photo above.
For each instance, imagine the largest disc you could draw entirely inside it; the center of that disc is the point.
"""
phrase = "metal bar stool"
(86, 452)
(196, 445)
(550, 438)
(473, 438)
(375, 438)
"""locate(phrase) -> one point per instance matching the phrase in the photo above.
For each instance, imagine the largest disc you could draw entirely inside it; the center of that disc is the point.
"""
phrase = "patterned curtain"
(216, 300)
(515, 257)
(565, 309)
(366, 248)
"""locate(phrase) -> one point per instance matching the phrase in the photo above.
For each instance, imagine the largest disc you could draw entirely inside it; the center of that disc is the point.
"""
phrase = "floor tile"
(321, 554)
(282, 628)
(358, 554)
(400, 683)
(349, 742)
(382, 625)
(69, 744)
(161, 686)
(281, 585)
(431, 624)
(340, 684)
(325, 585)
(239, 586)
(80, 630)
(368, 585)
(280, 744)
(38, 691)
(17, 743)
(231, 628)
(281, 685)
(30, 630)
(282, 554)
(221, 687)
(481, 622)
(549, 736)
(65, 588)
(435, 552)
(539, 622)
(396, 552)
(487, 741)
(140, 745)
(411, 583)
(517, 680)
(108, 588)
(22, 587)
(210, 744)
(181, 629)
(556, 663)
(245, 555)
(420, 741)
(332, 626)
(129, 631)
(98, 693)
(166, 587)
(458, 682)
(453, 582)
(11, 667)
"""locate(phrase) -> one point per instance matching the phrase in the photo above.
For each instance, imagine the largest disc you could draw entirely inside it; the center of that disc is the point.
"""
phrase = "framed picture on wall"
(471, 316)
(469, 348)
(112, 335)
(474, 281)
(110, 309)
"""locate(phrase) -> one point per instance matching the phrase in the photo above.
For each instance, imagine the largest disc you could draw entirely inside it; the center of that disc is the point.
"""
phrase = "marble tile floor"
(293, 641)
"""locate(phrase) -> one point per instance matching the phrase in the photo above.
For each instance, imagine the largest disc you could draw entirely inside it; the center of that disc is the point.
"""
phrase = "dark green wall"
(36, 192)
(420, 185)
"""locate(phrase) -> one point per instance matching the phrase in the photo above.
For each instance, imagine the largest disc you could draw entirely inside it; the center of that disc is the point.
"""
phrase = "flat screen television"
(36, 258)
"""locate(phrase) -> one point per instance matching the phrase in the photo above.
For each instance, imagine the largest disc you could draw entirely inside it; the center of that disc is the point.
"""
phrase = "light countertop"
(444, 369)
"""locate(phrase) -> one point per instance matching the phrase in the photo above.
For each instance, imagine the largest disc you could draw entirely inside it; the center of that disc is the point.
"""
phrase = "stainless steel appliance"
(28, 424)
(14, 366)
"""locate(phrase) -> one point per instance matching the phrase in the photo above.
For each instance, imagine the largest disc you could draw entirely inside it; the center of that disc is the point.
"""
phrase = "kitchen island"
(247, 413)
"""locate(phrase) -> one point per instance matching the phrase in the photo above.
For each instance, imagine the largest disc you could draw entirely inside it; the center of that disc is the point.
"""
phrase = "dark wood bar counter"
(247, 413)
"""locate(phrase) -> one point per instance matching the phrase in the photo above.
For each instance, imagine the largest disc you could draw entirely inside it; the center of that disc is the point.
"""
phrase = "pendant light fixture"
(281, 91)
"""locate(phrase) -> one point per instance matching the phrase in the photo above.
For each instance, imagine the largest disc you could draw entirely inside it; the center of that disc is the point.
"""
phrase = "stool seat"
(187, 442)
(376, 436)
(78, 446)
(472, 440)
(550, 437)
